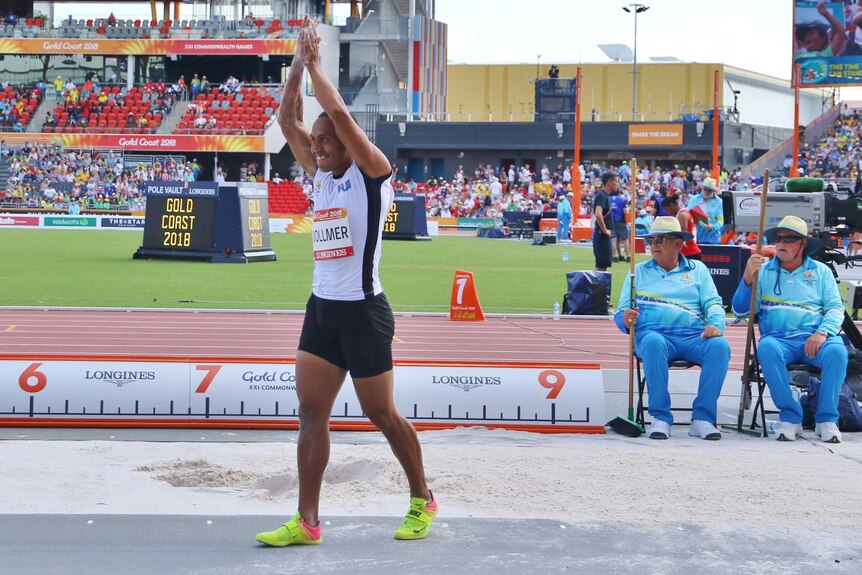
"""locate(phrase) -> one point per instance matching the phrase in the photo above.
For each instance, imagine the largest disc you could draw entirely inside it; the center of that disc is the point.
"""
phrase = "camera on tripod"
(829, 211)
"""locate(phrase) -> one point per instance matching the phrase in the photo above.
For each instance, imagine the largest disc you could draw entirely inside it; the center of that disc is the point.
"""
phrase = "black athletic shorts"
(354, 335)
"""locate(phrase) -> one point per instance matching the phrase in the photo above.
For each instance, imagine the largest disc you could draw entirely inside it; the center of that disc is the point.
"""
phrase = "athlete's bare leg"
(376, 398)
(317, 385)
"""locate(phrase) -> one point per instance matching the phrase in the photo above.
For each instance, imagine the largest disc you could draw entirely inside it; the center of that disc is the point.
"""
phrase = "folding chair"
(672, 365)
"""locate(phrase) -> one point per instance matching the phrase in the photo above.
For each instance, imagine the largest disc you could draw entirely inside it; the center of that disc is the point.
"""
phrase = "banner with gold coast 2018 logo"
(148, 142)
(148, 46)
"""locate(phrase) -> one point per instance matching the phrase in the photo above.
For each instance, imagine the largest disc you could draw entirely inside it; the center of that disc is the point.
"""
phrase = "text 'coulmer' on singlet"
(349, 213)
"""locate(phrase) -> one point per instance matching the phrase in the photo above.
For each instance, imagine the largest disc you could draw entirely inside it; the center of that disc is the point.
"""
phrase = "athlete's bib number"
(331, 235)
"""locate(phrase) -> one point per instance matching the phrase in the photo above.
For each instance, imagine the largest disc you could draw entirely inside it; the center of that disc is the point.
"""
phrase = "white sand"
(474, 472)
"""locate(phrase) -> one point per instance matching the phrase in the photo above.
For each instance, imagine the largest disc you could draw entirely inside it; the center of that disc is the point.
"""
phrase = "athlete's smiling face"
(330, 153)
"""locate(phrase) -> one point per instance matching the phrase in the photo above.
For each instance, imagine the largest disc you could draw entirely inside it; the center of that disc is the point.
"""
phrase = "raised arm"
(290, 117)
(366, 155)
(837, 40)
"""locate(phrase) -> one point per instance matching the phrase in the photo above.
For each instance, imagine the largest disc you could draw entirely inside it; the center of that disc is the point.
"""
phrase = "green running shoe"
(294, 532)
(418, 520)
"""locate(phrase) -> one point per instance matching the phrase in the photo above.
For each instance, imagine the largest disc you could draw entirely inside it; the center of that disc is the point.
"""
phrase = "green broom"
(628, 426)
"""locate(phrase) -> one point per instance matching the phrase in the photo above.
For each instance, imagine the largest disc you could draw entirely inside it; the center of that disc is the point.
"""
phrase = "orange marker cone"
(465, 304)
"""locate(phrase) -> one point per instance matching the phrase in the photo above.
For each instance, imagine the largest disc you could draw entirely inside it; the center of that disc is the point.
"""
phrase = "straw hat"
(668, 225)
(797, 226)
(710, 184)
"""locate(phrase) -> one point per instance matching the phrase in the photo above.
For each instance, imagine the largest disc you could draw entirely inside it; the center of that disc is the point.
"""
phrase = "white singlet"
(349, 213)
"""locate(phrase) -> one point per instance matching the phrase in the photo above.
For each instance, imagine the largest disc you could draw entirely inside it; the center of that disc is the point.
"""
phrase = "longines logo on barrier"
(119, 378)
(465, 382)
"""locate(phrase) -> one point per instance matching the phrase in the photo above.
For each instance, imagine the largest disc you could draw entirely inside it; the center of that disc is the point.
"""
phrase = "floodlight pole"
(636, 9)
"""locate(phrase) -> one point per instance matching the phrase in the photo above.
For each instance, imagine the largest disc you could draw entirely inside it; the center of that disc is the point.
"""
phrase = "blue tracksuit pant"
(775, 354)
(656, 350)
(563, 223)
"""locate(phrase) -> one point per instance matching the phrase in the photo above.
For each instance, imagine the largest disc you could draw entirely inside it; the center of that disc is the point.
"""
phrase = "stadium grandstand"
(200, 83)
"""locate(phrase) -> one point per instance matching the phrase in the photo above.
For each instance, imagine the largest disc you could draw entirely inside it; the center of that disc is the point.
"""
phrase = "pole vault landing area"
(236, 369)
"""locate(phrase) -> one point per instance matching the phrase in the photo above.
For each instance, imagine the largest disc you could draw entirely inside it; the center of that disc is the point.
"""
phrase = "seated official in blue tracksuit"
(800, 314)
(678, 314)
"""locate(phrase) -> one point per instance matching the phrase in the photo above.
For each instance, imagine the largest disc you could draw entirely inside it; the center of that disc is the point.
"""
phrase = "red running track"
(71, 334)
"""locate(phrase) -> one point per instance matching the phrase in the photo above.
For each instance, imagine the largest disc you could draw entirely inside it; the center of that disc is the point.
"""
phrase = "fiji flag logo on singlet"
(344, 187)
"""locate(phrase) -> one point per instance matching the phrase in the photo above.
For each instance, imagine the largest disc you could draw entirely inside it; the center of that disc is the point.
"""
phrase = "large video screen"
(827, 43)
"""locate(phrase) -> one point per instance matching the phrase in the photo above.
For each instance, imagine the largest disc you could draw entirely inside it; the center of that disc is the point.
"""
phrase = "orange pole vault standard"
(794, 170)
(576, 173)
(716, 169)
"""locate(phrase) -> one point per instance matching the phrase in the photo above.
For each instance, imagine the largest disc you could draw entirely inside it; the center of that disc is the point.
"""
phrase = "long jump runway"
(165, 502)
(274, 335)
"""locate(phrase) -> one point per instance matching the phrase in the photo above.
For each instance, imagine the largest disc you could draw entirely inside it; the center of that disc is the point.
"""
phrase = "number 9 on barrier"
(553, 380)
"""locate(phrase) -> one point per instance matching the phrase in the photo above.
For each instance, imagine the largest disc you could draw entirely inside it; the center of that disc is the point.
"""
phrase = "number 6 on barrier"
(33, 371)
(553, 380)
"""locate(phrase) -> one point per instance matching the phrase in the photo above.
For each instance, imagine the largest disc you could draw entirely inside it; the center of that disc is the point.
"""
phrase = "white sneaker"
(659, 429)
(704, 430)
(828, 432)
(788, 431)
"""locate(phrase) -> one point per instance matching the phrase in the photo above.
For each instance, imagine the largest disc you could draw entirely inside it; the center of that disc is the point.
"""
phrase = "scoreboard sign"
(406, 219)
(179, 219)
(206, 221)
(242, 224)
(253, 210)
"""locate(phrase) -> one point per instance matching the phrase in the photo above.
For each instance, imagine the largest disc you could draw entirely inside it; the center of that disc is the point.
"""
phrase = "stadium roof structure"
(617, 52)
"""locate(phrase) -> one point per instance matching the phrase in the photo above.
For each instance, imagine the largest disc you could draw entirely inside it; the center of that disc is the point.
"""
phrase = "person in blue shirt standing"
(709, 232)
(800, 314)
(564, 218)
(677, 314)
(619, 210)
(625, 172)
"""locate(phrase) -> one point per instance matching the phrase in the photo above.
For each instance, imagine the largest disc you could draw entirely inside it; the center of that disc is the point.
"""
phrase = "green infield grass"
(72, 268)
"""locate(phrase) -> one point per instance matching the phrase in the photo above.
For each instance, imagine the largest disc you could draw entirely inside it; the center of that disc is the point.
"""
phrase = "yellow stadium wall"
(499, 92)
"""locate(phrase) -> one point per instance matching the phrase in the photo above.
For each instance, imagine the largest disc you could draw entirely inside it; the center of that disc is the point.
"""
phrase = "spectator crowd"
(51, 177)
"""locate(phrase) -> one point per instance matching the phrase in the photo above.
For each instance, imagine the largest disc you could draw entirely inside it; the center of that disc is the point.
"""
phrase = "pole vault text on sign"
(179, 218)
(102, 392)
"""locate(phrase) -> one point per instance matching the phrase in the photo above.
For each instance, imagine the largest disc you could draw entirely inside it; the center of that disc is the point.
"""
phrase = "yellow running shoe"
(418, 520)
(294, 532)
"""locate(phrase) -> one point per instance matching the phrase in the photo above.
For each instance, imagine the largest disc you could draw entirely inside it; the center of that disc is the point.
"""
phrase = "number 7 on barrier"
(211, 370)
